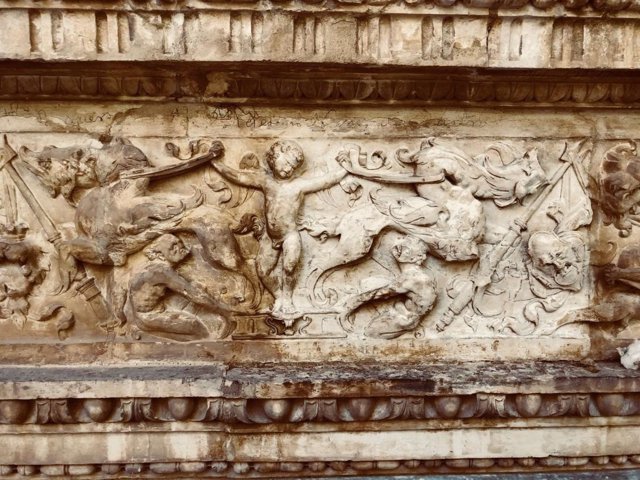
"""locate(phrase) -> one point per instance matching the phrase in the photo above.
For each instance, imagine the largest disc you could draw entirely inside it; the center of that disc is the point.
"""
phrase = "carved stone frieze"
(362, 246)
(318, 238)
(260, 249)
(352, 241)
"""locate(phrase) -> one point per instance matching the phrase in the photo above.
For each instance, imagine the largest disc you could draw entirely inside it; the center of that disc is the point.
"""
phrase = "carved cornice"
(472, 382)
(315, 410)
(317, 85)
(544, 34)
(248, 394)
(223, 469)
(441, 89)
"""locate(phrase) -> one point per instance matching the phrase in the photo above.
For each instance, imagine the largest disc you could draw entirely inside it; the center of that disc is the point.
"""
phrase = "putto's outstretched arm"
(327, 180)
(245, 179)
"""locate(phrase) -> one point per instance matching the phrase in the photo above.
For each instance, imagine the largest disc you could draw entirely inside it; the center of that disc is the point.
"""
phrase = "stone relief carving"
(299, 410)
(285, 242)
(614, 191)
(27, 292)
(146, 306)
(618, 188)
(222, 257)
(20, 269)
(283, 198)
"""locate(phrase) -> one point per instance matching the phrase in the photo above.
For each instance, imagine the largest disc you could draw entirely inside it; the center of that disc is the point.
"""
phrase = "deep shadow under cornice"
(311, 83)
(304, 69)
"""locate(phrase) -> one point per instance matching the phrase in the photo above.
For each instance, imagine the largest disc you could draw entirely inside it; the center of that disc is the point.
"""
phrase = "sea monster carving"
(412, 294)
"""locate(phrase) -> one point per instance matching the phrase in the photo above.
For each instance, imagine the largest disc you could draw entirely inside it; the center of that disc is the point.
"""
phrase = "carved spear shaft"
(215, 152)
(11, 212)
(482, 279)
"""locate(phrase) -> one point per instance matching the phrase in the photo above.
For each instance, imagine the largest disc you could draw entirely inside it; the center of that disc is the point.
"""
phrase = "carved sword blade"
(7, 155)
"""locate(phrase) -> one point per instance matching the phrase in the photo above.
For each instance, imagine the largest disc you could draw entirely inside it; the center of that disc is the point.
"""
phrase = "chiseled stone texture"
(367, 234)
(300, 239)
(538, 34)
(266, 420)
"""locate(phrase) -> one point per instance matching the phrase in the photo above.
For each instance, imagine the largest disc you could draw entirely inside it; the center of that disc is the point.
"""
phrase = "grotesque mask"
(557, 260)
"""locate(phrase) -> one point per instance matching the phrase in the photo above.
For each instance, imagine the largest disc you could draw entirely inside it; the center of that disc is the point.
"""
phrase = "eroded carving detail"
(347, 244)
(287, 410)
(614, 190)
(222, 469)
(283, 198)
(413, 287)
(24, 294)
(146, 306)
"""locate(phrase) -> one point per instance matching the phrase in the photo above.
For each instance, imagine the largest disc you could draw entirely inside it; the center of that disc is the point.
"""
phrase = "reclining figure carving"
(146, 306)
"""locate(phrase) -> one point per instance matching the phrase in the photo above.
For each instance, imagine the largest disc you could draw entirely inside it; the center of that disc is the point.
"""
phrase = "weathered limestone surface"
(477, 33)
(285, 239)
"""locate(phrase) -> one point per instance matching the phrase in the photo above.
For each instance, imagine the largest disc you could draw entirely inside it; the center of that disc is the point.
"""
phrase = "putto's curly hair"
(280, 147)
